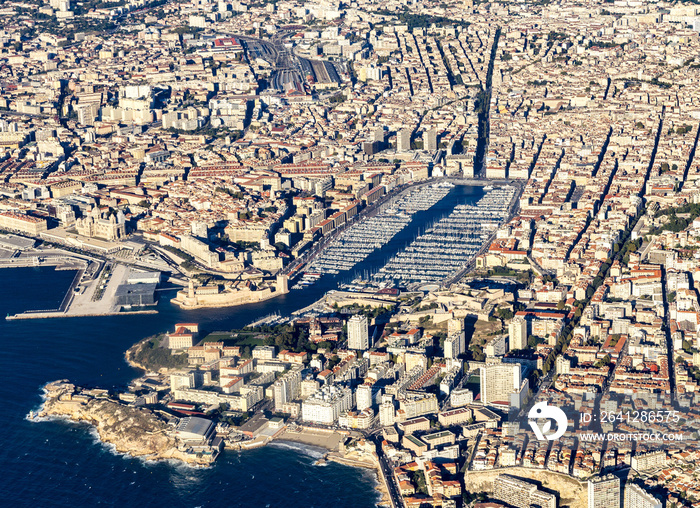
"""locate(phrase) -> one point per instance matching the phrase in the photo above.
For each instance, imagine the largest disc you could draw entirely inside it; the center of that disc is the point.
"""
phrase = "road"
(538, 268)
(31, 115)
(667, 333)
(388, 472)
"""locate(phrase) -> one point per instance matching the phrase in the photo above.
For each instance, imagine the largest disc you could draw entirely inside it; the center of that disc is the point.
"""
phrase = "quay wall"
(47, 315)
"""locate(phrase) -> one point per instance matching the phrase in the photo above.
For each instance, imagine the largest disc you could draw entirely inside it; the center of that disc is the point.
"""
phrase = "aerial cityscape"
(374, 253)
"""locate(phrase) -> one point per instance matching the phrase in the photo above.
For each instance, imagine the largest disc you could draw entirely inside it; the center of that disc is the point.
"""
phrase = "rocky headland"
(135, 431)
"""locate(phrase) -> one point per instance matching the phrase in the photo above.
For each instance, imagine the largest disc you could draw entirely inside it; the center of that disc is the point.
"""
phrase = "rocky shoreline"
(140, 433)
(362, 458)
(137, 432)
(130, 353)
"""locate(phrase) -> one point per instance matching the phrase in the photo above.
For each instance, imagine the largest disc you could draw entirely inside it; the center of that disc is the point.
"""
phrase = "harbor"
(358, 242)
(100, 288)
(435, 251)
(110, 335)
(450, 244)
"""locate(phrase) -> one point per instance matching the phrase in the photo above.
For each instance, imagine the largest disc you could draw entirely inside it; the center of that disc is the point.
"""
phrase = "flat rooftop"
(437, 435)
(194, 426)
(136, 289)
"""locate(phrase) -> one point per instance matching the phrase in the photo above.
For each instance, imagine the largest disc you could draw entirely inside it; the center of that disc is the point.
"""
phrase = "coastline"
(368, 484)
(122, 437)
(90, 294)
(133, 431)
(330, 441)
(380, 480)
(138, 434)
(57, 314)
(129, 356)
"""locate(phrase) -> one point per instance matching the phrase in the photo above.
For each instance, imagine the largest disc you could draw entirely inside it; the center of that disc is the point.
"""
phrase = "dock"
(449, 245)
(371, 234)
(92, 292)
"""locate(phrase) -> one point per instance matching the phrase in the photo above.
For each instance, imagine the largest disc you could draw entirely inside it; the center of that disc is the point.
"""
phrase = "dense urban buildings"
(502, 383)
(503, 196)
(637, 497)
(522, 494)
(326, 405)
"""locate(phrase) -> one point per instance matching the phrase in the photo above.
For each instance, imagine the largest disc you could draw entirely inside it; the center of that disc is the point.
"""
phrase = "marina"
(450, 244)
(357, 243)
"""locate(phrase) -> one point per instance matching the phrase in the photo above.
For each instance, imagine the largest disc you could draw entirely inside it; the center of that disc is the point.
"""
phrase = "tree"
(333, 361)
(603, 362)
(470, 497)
(419, 480)
(154, 357)
(505, 313)
(477, 353)
(547, 366)
(532, 341)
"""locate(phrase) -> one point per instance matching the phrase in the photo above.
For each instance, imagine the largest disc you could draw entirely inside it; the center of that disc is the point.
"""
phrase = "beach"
(331, 441)
(348, 460)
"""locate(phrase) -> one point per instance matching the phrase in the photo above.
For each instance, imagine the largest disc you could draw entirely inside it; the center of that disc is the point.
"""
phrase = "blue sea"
(55, 463)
